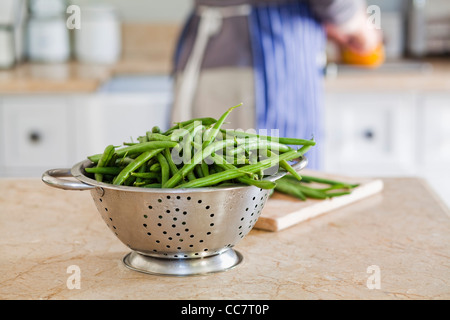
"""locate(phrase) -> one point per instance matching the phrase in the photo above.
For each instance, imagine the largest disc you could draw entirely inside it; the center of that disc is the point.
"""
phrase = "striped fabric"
(287, 43)
(283, 43)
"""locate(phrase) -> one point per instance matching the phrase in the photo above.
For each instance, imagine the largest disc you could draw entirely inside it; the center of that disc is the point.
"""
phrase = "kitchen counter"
(74, 77)
(404, 233)
(147, 49)
(407, 76)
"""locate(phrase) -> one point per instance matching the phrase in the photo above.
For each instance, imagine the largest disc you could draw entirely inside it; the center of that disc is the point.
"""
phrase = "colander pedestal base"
(182, 267)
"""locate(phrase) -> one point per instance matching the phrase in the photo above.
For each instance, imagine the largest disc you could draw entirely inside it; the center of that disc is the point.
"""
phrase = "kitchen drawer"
(370, 134)
(114, 118)
(34, 133)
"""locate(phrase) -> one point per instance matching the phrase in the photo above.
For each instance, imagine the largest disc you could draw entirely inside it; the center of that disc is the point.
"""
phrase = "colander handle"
(300, 164)
(297, 166)
(52, 178)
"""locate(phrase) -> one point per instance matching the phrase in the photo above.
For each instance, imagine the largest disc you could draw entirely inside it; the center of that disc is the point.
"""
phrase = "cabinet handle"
(368, 134)
(35, 137)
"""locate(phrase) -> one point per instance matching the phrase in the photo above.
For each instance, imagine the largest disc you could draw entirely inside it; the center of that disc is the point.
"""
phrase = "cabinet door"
(34, 134)
(370, 134)
(434, 126)
(436, 129)
(104, 119)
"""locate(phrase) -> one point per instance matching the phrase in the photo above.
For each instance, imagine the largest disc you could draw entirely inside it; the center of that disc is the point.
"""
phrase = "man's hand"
(356, 34)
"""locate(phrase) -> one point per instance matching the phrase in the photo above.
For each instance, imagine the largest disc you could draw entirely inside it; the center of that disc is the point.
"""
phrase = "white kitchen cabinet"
(34, 133)
(370, 134)
(389, 134)
(115, 118)
(435, 125)
(434, 122)
(39, 132)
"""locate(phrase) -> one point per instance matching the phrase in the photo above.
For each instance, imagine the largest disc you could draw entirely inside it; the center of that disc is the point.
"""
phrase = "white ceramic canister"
(7, 50)
(48, 39)
(99, 38)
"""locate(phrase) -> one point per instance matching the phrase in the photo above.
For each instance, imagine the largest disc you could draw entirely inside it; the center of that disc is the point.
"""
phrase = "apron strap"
(209, 26)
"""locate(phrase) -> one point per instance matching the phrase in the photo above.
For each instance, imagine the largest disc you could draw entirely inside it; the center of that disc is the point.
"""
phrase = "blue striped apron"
(287, 44)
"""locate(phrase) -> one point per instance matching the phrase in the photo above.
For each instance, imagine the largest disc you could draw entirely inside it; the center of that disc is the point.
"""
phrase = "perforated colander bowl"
(173, 231)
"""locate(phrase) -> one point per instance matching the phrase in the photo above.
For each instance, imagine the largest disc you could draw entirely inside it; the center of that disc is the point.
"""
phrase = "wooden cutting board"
(282, 211)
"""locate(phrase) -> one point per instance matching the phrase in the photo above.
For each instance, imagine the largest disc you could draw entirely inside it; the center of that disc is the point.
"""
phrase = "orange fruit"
(372, 59)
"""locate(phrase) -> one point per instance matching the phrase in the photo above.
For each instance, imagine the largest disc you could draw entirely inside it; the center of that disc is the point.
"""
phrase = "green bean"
(212, 134)
(205, 169)
(183, 132)
(196, 135)
(337, 194)
(165, 170)
(222, 162)
(263, 184)
(155, 167)
(140, 183)
(307, 191)
(335, 187)
(145, 175)
(312, 193)
(187, 148)
(328, 181)
(286, 166)
(137, 149)
(304, 150)
(104, 170)
(258, 145)
(216, 178)
(289, 189)
(123, 161)
(281, 140)
(218, 168)
(334, 184)
(153, 162)
(198, 171)
(198, 158)
(104, 160)
(191, 176)
(204, 121)
(151, 136)
(129, 181)
(142, 169)
(136, 164)
(143, 139)
(172, 165)
(153, 185)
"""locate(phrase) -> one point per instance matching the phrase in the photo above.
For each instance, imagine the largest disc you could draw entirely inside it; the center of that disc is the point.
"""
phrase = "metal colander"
(173, 231)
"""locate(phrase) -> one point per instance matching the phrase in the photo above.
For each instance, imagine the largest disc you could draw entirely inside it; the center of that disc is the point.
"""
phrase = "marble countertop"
(406, 76)
(74, 77)
(393, 245)
(147, 49)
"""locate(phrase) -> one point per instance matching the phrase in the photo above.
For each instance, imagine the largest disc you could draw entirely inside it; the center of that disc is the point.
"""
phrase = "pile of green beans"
(325, 188)
(197, 153)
